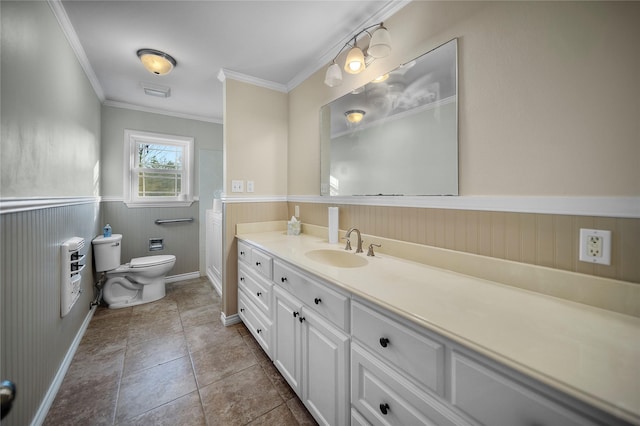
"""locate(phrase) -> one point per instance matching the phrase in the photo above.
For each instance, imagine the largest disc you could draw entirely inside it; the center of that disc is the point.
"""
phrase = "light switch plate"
(237, 186)
(250, 187)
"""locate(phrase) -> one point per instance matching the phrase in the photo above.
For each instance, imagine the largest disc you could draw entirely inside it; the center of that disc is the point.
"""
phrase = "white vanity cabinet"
(255, 294)
(397, 372)
(310, 351)
(354, 360)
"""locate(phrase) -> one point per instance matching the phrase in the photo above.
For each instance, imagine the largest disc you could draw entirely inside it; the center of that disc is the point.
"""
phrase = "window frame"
(131, 139)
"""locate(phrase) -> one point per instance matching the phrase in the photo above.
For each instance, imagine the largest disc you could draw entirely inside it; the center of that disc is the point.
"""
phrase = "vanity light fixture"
(156, 62)
(356, 62)
(354, 116)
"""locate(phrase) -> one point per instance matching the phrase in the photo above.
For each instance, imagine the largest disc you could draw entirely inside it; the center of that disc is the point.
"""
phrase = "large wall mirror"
(397, 135)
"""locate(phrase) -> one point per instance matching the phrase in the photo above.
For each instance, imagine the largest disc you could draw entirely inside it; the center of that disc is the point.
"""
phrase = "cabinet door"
(287, 346)
(325, 374)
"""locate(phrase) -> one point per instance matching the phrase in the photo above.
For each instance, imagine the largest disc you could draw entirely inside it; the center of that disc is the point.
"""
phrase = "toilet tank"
(106, 252)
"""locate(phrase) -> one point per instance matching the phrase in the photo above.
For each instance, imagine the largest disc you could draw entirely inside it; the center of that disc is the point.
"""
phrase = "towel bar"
(163, 221)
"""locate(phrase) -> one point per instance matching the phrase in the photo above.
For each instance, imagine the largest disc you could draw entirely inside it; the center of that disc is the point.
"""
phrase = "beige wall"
(548, 96)
(255, 139)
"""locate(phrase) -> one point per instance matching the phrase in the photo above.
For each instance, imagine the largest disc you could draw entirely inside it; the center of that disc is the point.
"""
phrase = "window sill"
(137, 204)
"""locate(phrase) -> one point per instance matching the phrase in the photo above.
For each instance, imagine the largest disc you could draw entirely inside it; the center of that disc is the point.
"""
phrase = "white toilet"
(140, 281)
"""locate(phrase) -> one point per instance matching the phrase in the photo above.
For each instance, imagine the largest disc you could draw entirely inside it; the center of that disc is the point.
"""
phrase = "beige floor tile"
(278, 381)
(300, 412)
(184, 411)
(200, 315)
(153, 387)
(138, 366)
(240, 398)
(280, 416)
(209, 334)
(150, 353)
(212, 364)
(89, 401)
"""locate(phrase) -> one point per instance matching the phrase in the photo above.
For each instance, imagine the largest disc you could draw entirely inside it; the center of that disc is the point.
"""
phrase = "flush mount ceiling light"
(379, 47)
(156, 62)
(354, 116)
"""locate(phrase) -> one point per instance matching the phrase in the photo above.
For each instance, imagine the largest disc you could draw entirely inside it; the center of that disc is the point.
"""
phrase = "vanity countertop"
(587, 352)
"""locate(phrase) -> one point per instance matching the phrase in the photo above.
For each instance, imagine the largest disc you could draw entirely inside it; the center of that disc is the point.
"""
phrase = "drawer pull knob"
(283, 279)
(241, 278)
(257, 263)
(259, 294)
(241, 309)
(317, 300)
(241, 253)
(259, 330)
(384, 408)
(295, 314)
(302, 319)
(384, 342)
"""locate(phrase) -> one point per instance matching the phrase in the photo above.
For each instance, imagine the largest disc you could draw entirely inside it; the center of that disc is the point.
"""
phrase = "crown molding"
(621, 207)
(124, 105)
(224, 74)
(70, 33)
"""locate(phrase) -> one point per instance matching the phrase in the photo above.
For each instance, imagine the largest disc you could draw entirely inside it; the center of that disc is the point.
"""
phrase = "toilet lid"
(143, 262)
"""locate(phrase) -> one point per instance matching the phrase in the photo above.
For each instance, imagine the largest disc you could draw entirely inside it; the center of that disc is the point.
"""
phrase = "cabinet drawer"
(494, 399)
(320, 298)
(418, 356)
(244, 252)
(256, 322)
(258, 290)
(384, 397)
(262, 262)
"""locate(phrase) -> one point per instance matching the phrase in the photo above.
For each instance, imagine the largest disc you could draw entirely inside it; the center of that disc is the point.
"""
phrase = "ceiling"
(276, 44)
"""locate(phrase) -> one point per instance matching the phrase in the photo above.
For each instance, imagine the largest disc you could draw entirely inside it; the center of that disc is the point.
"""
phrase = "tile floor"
(172, 362)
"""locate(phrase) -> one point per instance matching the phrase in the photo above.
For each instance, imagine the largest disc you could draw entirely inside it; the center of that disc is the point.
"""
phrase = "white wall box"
(71, 279)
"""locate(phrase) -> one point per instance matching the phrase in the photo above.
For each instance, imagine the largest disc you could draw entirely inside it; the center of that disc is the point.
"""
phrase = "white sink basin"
(339, 259)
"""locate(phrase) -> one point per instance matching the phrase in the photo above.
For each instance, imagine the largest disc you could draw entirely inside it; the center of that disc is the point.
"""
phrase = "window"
(158, 169)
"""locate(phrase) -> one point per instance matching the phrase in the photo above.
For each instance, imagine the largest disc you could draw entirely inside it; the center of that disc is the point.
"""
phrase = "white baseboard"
(230, 320)
(50, 396)
(215, 283)
(183, 277)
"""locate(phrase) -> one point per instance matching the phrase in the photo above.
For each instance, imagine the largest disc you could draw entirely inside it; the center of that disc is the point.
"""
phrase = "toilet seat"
(146, 261)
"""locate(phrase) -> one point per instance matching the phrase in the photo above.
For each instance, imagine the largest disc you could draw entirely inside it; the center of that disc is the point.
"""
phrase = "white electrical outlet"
(595, 246)
(296, 211)
(237, 186)
(250, 186)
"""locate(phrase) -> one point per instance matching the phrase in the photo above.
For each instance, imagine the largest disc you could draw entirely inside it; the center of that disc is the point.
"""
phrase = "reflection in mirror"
(397, 135)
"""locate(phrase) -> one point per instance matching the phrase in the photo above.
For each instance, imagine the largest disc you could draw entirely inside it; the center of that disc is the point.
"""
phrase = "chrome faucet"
(348, 234)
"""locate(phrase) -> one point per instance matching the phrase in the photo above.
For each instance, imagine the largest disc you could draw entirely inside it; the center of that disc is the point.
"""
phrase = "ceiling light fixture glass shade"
(333, 77)
(379, 47)
(354, 116)
(156, 62)
(355, 61)
(380, 43)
